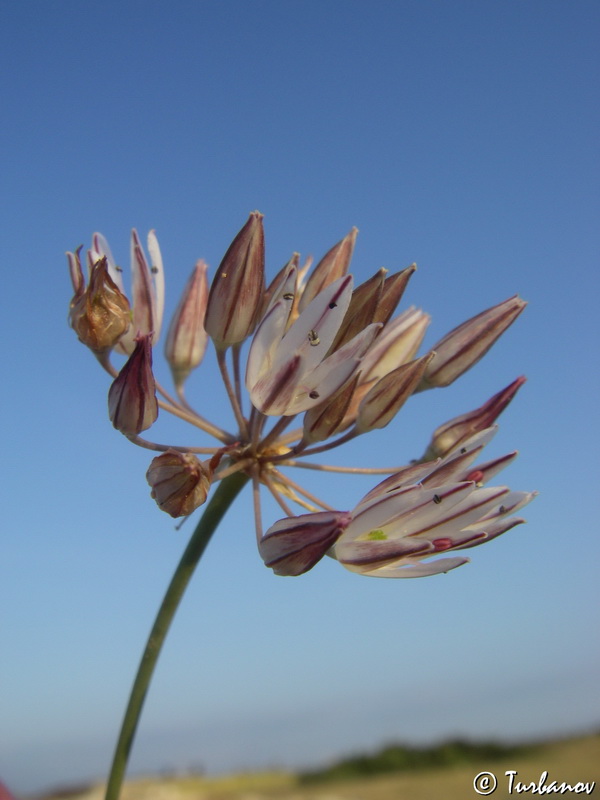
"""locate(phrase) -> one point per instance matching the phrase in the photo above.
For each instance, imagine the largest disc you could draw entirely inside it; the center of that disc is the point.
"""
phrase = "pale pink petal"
(466, 512)
(400, 480)
(396, 345)
(512, 501)
(412, 509)
(417, 569)
(314, 331)
(369, 554)
(274, 393)
(481, 473)
(265, 343)
(158, 281)
(494, 529)
(332, 373)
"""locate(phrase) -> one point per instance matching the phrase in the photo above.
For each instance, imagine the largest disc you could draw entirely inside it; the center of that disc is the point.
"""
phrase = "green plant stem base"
(223, 497)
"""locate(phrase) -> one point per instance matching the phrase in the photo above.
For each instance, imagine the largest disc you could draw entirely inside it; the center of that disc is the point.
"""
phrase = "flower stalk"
(220, 502)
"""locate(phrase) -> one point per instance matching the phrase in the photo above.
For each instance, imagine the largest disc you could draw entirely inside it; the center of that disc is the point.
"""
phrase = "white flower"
(321, 348)
(289, 372)
(419, 512)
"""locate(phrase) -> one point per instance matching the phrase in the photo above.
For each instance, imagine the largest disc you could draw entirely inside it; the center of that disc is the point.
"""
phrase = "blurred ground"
(575, 762)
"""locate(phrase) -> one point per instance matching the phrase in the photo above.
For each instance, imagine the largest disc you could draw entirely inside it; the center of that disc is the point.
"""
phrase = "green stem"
(223, 497)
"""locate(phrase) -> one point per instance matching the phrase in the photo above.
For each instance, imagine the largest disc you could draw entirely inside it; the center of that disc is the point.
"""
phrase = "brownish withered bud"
(333, 265)
(186, 339)
(99, 313)
(180, 482)
(132, 403)
(236, 293)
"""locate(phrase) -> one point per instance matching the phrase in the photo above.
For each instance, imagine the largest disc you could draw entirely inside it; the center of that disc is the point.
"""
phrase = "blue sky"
(458, 135)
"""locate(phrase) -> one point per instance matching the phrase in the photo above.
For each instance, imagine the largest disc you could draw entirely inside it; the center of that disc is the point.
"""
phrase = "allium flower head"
(309, 345)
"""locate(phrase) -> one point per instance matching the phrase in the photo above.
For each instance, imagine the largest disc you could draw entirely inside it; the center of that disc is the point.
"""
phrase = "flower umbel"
(319, 347)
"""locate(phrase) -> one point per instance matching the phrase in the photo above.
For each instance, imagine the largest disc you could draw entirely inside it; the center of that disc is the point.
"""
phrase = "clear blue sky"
(462, 136)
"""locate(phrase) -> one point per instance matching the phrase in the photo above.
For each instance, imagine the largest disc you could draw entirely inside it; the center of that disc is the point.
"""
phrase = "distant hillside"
(405, 757)
(396, 772)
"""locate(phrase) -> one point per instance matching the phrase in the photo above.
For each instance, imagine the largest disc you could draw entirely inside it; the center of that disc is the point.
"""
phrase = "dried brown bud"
(180, 482)
(132, 404)
(100, 313)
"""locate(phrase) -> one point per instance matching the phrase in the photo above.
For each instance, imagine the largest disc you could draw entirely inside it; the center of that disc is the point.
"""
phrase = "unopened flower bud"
(329, 417)
(375, 300)
(392, 292)
(332, 266)
(186, 339)
(236, 293)
(294, 545)
(397, 344)
(180, 482)
(460, 349)
(384, 400)
(100, 313)
(132, 403)
(452, 433)
(362, 309)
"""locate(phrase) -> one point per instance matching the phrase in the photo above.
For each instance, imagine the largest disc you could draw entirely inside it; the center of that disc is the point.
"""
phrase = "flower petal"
(416, 569)
(405, 512)
(370, 554)
(332, 373)
(158, 280)
(494, 529)
(265, 343)
(314, 331)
